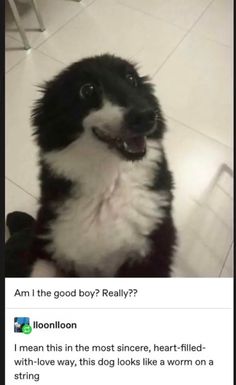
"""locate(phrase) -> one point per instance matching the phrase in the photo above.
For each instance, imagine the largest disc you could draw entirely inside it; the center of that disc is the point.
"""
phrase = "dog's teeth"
(128, 148)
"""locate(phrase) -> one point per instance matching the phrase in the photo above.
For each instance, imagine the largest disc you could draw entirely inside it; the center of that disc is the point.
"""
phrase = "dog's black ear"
(54, 120)
(38, 110)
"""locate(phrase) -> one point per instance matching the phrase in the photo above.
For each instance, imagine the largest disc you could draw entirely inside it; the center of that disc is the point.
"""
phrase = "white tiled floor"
(56, 13)
(195, 86)
(185, 45)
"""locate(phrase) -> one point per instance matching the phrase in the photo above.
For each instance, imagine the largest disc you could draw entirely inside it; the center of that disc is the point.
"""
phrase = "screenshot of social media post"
(119, 331)
(118, 251)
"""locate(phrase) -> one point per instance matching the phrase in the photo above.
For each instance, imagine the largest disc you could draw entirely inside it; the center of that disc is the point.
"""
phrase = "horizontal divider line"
(122, 308)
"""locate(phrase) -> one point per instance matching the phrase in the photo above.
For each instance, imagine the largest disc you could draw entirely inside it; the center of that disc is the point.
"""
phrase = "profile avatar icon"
(20, 323)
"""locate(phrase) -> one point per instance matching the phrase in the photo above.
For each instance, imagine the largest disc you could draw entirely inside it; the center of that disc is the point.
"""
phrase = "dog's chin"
(129, 147)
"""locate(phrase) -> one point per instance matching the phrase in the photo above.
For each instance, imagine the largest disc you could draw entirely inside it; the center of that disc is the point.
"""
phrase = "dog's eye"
(132, 79)
(87, 90)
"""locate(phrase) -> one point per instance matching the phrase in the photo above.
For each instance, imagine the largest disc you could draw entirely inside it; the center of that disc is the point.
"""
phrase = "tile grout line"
(219, 217)
(19, 40)
(24, 50)
(183, 38)
(121, 4)
(187, 32)
(199, 132)
(39, 52)
(226, 257)
(215, 41)
(51, 57)
(13, 38)
(200, 238)
(225, 192)
(62, 26)
(152, 16)
(20, 61)
(21, 188)
(175, 25)
(39, 44)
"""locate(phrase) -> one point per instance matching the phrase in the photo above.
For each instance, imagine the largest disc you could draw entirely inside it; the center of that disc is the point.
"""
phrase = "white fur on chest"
(111, 210)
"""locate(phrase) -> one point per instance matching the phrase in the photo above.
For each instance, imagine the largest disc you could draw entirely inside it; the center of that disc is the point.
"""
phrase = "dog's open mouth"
(132, 147)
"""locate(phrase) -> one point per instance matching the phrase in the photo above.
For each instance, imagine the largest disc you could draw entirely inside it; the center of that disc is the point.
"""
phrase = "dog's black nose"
(140, 121)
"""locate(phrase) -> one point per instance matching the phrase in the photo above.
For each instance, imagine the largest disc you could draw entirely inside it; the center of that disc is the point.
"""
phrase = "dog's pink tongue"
(135, 144)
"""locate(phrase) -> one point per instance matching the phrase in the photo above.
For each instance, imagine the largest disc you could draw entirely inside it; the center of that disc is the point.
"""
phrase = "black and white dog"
(106, 191)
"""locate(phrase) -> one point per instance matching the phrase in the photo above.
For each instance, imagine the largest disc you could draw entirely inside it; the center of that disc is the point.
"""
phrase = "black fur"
(61, 106)
(57, 119)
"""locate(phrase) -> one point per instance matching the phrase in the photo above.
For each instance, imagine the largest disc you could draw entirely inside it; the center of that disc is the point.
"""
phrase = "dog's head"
(104, 98)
